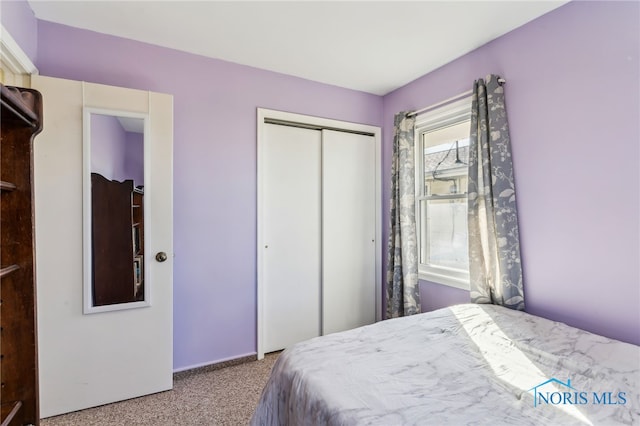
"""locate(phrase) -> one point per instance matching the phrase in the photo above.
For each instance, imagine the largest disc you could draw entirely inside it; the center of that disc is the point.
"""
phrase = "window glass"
(441, 195)
(447, 244)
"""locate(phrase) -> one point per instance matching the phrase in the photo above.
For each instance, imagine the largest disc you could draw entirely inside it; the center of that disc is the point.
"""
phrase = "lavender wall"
(214, 169)
(19, 20)
(576, 163)
(108, 146)
(572, 97)
(134, 157)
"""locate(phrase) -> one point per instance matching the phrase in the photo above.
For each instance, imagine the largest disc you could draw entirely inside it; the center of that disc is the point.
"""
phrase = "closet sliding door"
(348, 230)
(318, 228)
(291, 160)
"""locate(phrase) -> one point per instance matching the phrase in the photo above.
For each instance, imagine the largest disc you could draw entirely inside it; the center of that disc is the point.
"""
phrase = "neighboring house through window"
(442, 158)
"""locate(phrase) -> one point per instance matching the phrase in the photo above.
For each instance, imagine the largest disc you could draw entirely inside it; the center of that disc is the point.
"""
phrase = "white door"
(291, 235)
(348, 231)
(92, 359)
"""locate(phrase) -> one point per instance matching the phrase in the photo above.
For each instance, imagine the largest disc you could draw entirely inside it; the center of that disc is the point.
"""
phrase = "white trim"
(263, 114)
(13, 56)
(444, 116)
(440, 117)
(208, 363)
(440, 104)
(444, 280)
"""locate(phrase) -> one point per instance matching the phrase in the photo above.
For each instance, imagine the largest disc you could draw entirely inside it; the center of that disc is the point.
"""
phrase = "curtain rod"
(447, 101)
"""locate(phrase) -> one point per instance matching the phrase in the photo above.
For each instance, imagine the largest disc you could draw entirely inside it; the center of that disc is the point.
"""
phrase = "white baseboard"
(211, 363)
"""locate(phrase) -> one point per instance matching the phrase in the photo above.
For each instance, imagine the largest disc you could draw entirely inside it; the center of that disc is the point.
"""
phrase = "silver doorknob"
(161, 256)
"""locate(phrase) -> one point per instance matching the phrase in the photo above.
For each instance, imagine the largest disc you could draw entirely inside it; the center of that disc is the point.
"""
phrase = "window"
(442, 158)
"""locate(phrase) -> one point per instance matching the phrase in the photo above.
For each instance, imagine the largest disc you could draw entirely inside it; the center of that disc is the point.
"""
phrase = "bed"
(463, 365)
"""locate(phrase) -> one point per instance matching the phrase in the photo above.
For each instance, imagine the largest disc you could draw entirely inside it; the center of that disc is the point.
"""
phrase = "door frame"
(301, 120)
(16, 66)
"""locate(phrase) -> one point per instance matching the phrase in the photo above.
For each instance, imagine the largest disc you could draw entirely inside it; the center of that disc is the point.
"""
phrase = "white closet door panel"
(291, 235)
(348, 232)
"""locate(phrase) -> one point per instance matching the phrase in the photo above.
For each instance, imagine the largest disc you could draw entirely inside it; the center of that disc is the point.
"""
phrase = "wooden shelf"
(9, 411)
(7, 186)
(4, 272)
(20, 104)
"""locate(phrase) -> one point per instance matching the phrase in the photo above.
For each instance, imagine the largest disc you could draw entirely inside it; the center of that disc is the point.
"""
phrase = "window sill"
(449, 281)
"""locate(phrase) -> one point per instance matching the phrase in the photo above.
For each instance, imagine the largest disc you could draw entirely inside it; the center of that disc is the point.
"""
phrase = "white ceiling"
(372, 46)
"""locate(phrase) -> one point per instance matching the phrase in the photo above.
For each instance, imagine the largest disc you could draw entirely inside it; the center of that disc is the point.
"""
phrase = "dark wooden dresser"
(21, 120)
(117, 229)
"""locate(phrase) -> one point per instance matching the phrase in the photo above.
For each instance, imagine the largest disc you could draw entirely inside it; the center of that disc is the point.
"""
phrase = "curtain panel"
(403, 293)
(495, 267)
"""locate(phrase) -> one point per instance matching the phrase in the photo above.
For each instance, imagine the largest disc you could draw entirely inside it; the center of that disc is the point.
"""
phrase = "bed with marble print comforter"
(464, 365)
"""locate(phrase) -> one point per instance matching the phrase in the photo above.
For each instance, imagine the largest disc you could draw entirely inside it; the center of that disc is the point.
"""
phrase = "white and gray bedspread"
(464, 365)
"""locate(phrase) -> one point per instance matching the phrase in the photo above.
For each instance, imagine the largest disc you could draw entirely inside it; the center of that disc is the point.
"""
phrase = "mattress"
(463, 365)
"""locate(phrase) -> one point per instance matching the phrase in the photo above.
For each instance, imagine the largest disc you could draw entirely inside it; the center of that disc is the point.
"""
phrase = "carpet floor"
(209, 396)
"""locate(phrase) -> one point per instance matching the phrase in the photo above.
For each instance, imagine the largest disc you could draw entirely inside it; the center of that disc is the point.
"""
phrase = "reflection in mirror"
(117, 209)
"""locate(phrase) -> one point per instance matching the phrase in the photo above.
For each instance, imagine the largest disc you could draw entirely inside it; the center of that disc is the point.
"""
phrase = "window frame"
(438, 118)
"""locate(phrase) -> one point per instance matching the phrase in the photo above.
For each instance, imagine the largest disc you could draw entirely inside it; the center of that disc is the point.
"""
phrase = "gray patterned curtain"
(494, 243)
(403, 295)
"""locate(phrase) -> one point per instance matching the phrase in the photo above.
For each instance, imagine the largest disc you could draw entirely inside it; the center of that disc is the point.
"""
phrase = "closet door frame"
(320, 123)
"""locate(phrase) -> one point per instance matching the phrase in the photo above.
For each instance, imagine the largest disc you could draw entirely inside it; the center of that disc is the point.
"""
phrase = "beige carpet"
(224, 396)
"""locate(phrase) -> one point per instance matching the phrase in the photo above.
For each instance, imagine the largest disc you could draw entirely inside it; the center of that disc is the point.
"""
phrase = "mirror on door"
(114, 204)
